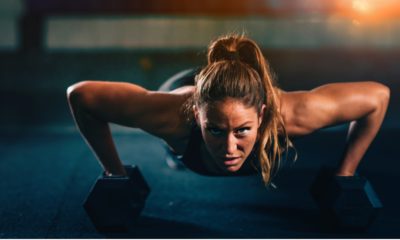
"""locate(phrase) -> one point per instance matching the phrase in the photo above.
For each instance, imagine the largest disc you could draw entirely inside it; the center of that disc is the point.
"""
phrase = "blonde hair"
(237, 68)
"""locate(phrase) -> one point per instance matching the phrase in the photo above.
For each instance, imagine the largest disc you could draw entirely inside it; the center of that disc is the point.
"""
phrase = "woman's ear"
(261, 116)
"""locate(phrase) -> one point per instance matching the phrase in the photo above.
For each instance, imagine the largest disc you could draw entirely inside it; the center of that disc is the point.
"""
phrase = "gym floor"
(47, 173)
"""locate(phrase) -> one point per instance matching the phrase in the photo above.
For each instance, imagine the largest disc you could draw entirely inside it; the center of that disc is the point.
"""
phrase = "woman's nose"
(231, 144)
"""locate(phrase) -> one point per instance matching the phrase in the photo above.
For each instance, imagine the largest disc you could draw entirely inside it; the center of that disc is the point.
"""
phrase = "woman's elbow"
(78, 93)
(384, 93)
(381, 96)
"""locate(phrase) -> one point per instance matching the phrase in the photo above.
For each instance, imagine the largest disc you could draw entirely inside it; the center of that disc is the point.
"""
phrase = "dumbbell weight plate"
(347, 202)
(115, 201)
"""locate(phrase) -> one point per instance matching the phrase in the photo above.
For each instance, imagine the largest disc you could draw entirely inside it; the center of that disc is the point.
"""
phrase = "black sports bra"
(192, 158)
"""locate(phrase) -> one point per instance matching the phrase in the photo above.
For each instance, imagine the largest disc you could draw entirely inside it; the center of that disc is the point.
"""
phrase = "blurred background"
(47, 45)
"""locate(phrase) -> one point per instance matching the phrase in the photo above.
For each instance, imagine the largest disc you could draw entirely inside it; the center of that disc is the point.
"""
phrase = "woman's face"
(229, 130)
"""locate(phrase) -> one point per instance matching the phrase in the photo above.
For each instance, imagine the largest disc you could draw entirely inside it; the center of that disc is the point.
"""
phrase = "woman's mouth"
(231, 161)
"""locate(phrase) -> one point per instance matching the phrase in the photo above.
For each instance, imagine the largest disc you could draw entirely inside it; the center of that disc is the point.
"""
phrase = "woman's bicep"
(332, 104)
(350, 101)
(127, 104)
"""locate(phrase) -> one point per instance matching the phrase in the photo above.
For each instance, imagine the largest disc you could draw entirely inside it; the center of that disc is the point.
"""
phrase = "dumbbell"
(348, 203)
(114, 202)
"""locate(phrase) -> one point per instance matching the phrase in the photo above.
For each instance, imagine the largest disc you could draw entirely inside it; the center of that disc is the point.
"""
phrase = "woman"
(235, 120)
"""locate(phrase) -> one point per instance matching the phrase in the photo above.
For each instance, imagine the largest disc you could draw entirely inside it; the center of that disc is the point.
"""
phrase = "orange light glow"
(362, 6)
(369, 11)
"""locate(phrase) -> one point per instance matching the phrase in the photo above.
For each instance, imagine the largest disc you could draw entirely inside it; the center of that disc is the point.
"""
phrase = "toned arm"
(94, 104)
(363, 104)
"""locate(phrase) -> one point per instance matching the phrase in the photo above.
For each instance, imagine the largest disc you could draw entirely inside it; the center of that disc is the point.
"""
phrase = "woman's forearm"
(97, 135)
(360, 136)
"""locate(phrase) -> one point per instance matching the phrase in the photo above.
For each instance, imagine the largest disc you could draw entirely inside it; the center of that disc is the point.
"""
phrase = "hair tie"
(232, 55)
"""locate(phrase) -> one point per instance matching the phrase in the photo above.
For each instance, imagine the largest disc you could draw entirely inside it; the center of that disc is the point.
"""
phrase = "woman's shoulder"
(291, 106)
(181, 127)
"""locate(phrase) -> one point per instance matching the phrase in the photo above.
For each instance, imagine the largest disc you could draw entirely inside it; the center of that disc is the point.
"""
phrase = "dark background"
(46, 169)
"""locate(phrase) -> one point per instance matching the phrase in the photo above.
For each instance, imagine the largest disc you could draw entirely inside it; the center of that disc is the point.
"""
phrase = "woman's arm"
(94, 104)
(363, 104)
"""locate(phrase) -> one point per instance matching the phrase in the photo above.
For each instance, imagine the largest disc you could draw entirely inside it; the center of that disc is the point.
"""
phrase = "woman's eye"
(214, 131)
(242, 131)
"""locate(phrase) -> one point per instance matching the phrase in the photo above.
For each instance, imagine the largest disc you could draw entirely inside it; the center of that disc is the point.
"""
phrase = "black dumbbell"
(114, 202)
(346, 202)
